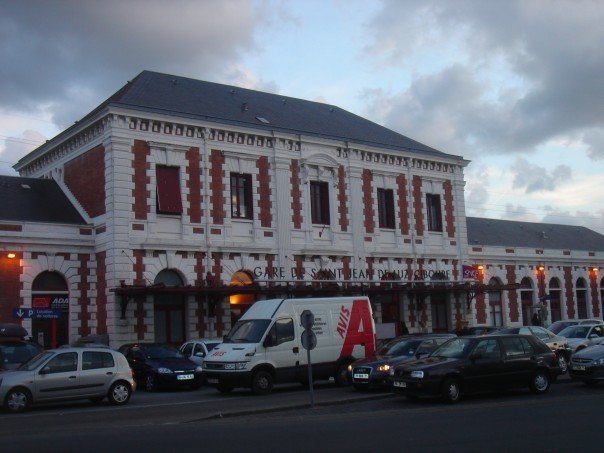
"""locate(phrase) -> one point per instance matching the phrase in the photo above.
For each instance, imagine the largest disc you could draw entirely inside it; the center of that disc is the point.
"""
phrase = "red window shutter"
(168, 190)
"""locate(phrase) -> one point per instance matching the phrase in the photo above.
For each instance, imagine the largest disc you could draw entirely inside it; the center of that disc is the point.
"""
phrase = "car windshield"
(162, 352)
(36, 361)
(575, 331)
(558, 326)
(399, 348)
(453, 349)
(16, 353)
(248, 331)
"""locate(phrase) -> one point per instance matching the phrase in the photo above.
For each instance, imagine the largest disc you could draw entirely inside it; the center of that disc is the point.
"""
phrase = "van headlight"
(235, 366)
(383, 368)
(417, 374)
(240, 365)
(163, 370)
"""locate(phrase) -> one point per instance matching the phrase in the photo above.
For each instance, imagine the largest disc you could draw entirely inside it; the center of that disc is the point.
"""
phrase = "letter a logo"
(360, 329)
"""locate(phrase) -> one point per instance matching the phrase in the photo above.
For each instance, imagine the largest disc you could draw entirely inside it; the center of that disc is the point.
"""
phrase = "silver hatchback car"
(65, 374)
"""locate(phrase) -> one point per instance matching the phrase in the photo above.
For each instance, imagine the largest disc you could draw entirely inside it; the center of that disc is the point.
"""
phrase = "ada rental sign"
(36, 313)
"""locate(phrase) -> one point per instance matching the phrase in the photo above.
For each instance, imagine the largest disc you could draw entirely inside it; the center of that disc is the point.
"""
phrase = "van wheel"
(17, 400)
(262, 383)
(539, 382)
(119, 393)
(341, 376)
(451, 390)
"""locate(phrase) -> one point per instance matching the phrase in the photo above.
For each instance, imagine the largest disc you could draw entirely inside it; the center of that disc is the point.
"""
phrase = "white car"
(197, 350)
(582, 335)
(68, 374)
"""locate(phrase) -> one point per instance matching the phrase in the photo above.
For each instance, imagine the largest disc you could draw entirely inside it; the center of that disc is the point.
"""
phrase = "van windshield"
(248, 331)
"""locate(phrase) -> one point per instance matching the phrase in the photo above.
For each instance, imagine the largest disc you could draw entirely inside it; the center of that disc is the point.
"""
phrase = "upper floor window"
(434, 215)
(168, 199)
(386, 208)
(319, 202)
(241, 196)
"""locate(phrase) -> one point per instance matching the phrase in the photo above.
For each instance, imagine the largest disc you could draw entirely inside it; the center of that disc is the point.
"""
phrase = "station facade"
(194, 200)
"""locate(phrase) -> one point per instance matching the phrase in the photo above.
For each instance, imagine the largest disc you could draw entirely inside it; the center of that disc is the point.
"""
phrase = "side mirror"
(268, 342)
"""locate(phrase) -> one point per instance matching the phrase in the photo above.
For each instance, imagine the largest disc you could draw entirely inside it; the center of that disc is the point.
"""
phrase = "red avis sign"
(355, 326)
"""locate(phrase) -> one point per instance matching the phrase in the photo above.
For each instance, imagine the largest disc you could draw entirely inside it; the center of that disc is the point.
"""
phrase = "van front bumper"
(229, 378)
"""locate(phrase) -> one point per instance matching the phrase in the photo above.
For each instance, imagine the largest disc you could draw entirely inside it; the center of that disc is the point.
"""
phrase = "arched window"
(241, 302)
(169, 278)
(554, 293)
(495, 306)
(50, 293)
(581, 298)
(526, 299)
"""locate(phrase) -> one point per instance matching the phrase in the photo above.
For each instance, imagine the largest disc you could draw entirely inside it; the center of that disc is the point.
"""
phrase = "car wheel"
(150, 383)
(262, 383)
(17, 400)
(562, 363)
(451, 390)
(97, 399)
(540, 382)
(224, 388)
(119, 393)
(341, 376)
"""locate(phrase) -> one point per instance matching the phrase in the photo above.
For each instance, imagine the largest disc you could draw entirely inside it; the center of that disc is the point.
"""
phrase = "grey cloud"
(534, 178)
(592, 220)
(17, 147)
(519, 213)
(553, 48)
(594, 139)
(69, 54)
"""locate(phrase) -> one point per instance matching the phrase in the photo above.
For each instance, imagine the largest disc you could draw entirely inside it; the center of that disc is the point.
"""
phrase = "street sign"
(309, 340)
(36, 313)
(307, 319)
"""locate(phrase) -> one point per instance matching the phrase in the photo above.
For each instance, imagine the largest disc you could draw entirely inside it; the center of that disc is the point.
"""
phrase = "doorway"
(169, 310)
(440, 320)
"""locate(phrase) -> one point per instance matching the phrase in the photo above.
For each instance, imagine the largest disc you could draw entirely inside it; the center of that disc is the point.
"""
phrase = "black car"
(373, 371)
(158, 365)
(587, 365)
(474, 364)
(14, 348)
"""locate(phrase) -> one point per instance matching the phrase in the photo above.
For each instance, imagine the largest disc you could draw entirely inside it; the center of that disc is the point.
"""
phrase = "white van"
(264, 346)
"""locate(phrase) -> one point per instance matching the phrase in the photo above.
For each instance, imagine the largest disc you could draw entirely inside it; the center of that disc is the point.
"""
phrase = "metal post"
(310, 385)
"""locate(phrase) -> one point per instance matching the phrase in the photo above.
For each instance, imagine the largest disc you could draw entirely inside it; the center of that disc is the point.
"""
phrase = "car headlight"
(417, 374)
(597, 362)
(383, 368)
(349, 368)
(163, 370)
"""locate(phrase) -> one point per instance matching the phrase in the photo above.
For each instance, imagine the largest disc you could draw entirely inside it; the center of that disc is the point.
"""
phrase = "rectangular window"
(434, 215)
(319, 202)
(386, 208)
(168, 199)
(241, 196)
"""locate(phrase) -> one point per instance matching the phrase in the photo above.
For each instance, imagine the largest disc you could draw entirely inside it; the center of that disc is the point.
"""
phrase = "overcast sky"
(517, 87)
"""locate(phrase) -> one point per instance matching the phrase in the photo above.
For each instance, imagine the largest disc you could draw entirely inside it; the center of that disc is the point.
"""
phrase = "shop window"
(241, 196)
(319, 202)
(168, 200)
(386, 208)
(434, 214)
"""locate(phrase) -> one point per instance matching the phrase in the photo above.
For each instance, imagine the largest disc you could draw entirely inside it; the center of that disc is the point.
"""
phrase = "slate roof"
(35, 200)
(225, 104)
(507, 233)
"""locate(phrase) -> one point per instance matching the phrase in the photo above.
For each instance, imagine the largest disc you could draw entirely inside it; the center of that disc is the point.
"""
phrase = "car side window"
(282, 331)
(513, 346)
(63, 363)
(198, 350)
(188, 349)
(92, 360)
(488, 349)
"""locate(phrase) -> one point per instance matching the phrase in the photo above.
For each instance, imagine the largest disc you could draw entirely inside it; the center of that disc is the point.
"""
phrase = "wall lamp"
(541, 268)
(11, 255)
(594, 270)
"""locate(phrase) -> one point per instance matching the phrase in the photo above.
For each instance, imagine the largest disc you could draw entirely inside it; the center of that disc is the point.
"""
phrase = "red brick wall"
(264, 192)
(296, 195)
(101, 298)
(83, 287)
(216, 187)
(403, 205)
(200, 273)
(512, 295)
(417, 205)
(85, 178)
(449, 217)
(595, 300)
(570, 296)
(10, 286)
(194, 198)
(342, 208)
(140, 193)
(368, 211)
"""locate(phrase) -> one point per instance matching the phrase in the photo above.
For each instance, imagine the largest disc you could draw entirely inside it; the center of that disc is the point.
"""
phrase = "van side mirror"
(268, 341)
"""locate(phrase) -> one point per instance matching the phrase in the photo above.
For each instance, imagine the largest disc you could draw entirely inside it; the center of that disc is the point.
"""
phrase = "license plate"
(212, 381)
(399, 384)
(579, 368)
(360, 376)
(184, 377)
